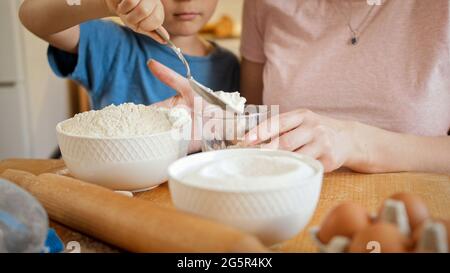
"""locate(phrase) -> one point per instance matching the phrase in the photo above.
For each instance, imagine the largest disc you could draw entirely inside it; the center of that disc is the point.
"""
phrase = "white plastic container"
(23, 220)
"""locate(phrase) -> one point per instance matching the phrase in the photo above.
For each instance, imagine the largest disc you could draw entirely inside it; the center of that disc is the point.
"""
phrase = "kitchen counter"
(367, 190)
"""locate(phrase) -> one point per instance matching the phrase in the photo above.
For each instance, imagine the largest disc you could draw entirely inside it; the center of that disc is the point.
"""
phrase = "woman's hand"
(142, 16)
(185, 97)
(335, 143)
(325, 139)
(351, 144)
(328, 140)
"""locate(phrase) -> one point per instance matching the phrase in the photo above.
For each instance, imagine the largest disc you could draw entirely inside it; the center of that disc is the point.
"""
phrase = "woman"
(360, 86)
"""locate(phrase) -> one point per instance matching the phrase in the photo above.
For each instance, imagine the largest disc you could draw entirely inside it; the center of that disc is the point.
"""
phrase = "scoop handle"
(176, 50)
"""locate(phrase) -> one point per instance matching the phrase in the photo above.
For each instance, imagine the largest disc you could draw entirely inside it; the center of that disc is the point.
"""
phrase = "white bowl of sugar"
(127, 147)
(271, 194)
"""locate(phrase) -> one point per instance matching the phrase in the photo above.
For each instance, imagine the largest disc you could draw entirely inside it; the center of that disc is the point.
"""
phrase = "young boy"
(110, 60)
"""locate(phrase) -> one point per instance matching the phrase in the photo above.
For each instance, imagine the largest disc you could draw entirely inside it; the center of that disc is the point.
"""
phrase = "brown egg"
(344, 220)
(415, 207)
(379, 238)
(419, 231)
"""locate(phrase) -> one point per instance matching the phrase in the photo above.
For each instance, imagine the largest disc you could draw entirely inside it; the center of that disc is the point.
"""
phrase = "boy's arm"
(57, 22)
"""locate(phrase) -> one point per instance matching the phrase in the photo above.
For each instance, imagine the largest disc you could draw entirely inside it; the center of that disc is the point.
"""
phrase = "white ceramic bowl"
(127, 164)
(273, 214)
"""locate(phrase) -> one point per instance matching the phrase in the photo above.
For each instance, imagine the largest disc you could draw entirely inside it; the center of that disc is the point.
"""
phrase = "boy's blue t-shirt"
(112, 64)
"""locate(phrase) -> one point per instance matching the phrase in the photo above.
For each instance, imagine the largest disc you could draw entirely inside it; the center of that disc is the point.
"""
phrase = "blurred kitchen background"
(33, 100)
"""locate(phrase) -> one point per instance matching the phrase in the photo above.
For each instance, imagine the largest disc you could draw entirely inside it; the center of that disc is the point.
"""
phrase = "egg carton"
(337, 244)
(433, 237)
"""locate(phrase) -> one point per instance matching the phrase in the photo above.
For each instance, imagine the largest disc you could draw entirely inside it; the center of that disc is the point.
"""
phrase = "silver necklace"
(355, 32)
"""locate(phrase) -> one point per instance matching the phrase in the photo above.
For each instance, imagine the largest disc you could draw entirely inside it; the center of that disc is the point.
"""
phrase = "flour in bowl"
(125, 120)
(249, 172)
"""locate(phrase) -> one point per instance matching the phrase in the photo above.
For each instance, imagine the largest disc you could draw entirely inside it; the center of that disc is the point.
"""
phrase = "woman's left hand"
(328, 140)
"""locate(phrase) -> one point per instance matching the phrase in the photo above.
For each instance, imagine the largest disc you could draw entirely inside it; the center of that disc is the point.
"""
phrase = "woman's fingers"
(313, 149)
(292, 140)
(306, 133)
(171, 78)
(277, 126)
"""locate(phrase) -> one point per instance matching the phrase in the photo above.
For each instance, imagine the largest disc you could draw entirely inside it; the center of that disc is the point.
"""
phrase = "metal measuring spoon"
(203, 91)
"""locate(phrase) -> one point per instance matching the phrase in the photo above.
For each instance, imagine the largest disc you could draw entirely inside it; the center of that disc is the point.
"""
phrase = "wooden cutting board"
(367, 190)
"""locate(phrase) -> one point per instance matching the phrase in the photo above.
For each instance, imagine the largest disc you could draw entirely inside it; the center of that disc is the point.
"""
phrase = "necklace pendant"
(354, 41)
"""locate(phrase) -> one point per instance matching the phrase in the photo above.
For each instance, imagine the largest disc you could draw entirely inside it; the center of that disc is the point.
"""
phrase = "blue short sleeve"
(99, 43)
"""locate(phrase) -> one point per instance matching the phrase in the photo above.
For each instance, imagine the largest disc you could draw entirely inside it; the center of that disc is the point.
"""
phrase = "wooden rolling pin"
(131, 224)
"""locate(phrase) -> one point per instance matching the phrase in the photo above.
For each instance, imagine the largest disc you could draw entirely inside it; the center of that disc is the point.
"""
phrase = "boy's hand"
(142, 16)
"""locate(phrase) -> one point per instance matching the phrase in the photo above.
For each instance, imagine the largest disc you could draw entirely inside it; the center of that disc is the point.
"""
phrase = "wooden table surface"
(367, 190)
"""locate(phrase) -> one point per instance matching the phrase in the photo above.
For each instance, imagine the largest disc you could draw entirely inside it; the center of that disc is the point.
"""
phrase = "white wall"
(232, 8)
(47, 96)
(31, 107)
(14, 137)
(229, 7)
